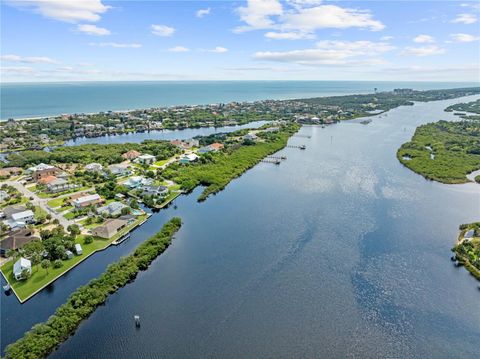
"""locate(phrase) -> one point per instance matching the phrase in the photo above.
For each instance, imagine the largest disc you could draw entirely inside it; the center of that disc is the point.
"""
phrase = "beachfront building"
(146, 159)
(111, 210)
(87, 200)
(109, 228)
(20, 267)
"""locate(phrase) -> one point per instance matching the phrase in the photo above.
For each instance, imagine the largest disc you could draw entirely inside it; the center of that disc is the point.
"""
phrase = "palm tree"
(46, 264)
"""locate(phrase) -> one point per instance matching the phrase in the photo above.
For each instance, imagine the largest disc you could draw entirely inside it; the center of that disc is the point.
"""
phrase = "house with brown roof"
(16, 239)
(9, 171)
(109, 228)
(131, 155)
(43, 173)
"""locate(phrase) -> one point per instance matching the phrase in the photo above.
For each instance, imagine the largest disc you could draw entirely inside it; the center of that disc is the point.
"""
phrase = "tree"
(134, 203)
(36, 258)
(88, 240)
(125, 210)
(26, 273)
(10, 253)
(57, 263)
(74, 230)
(56, 221)
(46, 264)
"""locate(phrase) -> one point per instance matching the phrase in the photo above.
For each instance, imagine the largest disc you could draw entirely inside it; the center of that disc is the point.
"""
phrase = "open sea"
(25, 100)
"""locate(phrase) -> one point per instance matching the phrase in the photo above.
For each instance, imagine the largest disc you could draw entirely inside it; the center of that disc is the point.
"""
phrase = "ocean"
(25, 100)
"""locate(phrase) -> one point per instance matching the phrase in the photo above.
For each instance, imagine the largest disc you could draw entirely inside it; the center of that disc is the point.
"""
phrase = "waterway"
(338, 252)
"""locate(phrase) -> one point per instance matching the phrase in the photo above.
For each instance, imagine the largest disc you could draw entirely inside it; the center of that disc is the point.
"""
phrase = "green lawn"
(57, 202)
(161, 163)
(41, 278)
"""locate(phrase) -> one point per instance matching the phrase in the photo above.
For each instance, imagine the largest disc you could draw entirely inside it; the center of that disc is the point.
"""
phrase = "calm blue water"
(22, 100)
(339, 252)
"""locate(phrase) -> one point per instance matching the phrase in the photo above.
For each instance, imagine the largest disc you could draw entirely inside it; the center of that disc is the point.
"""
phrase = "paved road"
(41, 202)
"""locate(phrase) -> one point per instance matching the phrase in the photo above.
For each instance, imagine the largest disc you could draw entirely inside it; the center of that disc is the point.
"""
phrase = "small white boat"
(6, 287)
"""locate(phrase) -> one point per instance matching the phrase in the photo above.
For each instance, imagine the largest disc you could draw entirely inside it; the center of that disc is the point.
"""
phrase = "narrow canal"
(338, 252)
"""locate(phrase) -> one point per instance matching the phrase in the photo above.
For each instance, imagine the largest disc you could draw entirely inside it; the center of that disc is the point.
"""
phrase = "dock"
(302, 136)
(301, 147)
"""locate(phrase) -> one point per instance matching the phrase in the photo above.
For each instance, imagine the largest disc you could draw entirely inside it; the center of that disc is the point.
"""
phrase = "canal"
(338, 252)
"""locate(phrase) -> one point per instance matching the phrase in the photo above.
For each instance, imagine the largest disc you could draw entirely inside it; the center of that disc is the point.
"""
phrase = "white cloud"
(218, 50)
(257, 14)
(423, 51)
(29, 60)
(178, 49)
(202, 12)
(288, 35)
(93, 30)
(162, 30)
(302, 17)
(64, 10)
(466, 19)
(424, 39)
(17, 70)
(464, 37)
(387, 38)
(116, 45)
(331, 53)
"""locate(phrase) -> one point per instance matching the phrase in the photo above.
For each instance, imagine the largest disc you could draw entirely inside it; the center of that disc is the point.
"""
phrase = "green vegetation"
(225, 166)
(55, 242)
(443, 151)
(84, 154)
(473, 107)
(467, 252)
(43, 338)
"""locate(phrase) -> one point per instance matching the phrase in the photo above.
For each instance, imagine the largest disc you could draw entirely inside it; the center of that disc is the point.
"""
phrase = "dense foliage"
(43, 338)
(84, 154)
(225, 166)
(473, 107)
(443, 151)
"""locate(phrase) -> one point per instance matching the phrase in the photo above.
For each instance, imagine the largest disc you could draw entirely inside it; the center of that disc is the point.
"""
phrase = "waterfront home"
(78, 249)
(216, 146)
(192, 157)
(109, 228)
(154, 190)
(20, 267)
(39, 167)
(111, 210)
(87, 200)
(205, 149)
(119, 169)
(250, 137)
(16, 239)
(469, 234)
(4, 196)
(187, 144)
(131, 155)
(137, 181)
(146, 159)
(272, 129)
(94, 167)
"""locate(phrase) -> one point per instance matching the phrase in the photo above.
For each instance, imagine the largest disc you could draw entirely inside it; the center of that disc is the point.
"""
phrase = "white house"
(94, 167)
(146, 159)
(250, 137)
(112, 209)
(21, 265)
(119, 169)
(137, 181)
(87, 200)
(25, 216)
(188, 158)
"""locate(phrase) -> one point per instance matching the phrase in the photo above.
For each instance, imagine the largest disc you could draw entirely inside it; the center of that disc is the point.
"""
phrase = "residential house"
(25, 217)
(192, 157)
(111, 210)
(216, 146)
(120, 169)
(250, 137)
(131, 155)
(16, 239)
(10, 171)
(272, 129)
(11, 210)
(94, 167)
(88, 200)
(146, 159)
(109, 228)
(40, 174)
(137, 181)
(20, 266)
(59, 185)
(154, 190)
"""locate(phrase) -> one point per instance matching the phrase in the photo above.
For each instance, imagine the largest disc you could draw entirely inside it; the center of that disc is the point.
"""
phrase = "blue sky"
(90, 40)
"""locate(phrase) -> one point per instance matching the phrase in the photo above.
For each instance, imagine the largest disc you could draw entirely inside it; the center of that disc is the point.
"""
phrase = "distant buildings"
(119, 169)
(10, 171)
(94, 167)
(250, 137)
(137, 181)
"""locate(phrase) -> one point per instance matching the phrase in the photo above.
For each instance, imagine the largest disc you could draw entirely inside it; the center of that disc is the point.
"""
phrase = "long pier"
(303, 136)
(302, 147)
(271, 160)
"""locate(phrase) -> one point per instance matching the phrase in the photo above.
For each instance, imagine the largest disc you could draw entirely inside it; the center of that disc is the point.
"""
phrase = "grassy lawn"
(54, 195)
(57, 202)
(39, 212)
(69, 215)
(40, 277)
(161, 163)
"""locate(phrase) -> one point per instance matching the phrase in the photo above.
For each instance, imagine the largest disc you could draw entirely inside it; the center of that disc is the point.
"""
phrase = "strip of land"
(467, 249)
(43, 338)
